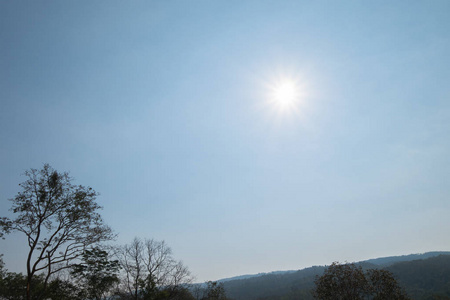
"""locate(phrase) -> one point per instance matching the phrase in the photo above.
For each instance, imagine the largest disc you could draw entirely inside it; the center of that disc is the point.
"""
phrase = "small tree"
(59, 219)
(350, 282)
(214, 291)
(97, 274)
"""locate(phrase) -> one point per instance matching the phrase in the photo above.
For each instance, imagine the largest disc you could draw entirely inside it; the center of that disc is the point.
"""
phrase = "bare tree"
(149, 269)
(130, 259)
(59, 219)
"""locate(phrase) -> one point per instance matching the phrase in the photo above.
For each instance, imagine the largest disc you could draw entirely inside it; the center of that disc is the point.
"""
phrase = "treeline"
(90, 284)
(70, 255)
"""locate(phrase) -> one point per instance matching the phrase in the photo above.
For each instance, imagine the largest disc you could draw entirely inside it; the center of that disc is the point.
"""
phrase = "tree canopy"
(97, 274)
(350, 282)
(59, 219)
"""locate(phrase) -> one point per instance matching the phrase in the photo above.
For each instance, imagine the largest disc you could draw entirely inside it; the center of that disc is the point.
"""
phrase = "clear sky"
(167, 109)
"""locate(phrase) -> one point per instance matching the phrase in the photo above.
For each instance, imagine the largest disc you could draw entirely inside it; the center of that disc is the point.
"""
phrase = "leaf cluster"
(96, 274)
(214, 291)
(350, 282)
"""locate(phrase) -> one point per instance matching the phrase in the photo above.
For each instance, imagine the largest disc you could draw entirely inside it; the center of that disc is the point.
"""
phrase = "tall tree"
(59, 219)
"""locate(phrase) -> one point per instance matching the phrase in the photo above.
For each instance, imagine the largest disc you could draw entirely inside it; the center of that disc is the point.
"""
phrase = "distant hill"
(273, 285)
(422, 275)
(386, 261)
(255, 275)
(424, 278)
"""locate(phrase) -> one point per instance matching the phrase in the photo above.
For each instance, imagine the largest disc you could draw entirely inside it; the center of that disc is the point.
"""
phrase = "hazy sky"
(164, 108)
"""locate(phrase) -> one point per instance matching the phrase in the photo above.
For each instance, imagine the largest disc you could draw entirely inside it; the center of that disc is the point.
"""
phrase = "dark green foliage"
(63, 290)
(382, 285)
(425, 279)
(184, 294)
(293, 285)
(166, 294)
(13, 286)
(97, 274)
(350, 282)
(150, 291)
(341, 282)
(387, 261)
(214, 291)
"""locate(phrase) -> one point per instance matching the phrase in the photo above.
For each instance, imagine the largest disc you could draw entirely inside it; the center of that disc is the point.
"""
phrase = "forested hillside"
(274, 286)
(427, 278)
(424, 278)
(387, 261)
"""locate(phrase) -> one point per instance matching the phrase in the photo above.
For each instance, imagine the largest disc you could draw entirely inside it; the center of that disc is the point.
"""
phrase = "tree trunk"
(28, 288)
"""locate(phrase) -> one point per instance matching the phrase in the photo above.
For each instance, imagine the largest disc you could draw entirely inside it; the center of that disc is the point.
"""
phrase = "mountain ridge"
(384, 261)
(287, 285)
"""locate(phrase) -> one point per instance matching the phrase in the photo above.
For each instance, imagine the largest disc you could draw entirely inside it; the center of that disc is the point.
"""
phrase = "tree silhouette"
(350, 282)
(59, 219)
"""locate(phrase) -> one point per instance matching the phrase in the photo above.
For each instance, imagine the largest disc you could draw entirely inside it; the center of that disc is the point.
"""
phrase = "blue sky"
(162, 107)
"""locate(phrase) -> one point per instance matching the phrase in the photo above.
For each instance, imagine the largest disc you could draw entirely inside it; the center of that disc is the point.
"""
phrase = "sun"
(285, 94)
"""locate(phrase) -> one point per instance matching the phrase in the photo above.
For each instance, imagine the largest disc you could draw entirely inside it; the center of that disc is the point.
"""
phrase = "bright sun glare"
(285, 94)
